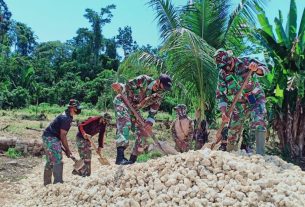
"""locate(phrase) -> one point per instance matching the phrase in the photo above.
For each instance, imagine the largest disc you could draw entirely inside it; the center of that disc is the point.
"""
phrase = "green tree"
(24, 40)
(124, 39)
(286, 47)
(5, 16)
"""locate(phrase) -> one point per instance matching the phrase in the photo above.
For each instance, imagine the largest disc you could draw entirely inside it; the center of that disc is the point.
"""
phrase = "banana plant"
(286, 46)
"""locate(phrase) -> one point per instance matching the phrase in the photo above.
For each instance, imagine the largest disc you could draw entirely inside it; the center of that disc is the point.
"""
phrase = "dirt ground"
(14, 171)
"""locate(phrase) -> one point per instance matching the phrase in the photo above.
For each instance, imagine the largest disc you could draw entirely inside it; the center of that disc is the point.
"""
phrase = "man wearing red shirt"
(87, 129)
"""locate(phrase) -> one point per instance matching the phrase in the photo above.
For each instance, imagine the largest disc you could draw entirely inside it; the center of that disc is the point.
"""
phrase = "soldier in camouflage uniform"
(53, 137)
(87, 129)
(182, 129)
(142, 92)
(232, 73)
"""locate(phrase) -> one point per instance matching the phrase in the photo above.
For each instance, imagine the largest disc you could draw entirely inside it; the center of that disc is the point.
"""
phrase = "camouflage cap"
(180, 106)
(106, 116)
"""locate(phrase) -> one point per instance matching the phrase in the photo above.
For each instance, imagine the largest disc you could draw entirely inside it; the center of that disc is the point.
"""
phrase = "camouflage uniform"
(183, 138)
(251, 103)
(91, 126)
(84, 150)
(52, 146)
(140, 94)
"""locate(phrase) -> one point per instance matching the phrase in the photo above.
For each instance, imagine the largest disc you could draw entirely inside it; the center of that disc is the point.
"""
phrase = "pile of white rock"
(196, 178)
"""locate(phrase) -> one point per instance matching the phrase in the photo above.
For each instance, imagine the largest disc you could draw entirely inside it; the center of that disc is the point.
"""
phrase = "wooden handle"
(223, 124)
(94, 146)
(135, 113)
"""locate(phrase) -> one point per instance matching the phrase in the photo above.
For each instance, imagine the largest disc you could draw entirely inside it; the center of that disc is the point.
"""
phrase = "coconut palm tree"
(190, 36)
(286, 47)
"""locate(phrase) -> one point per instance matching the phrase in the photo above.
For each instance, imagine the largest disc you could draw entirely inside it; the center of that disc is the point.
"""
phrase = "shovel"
(218, 134)
(101, 159)
(168, 150)
(78, 164)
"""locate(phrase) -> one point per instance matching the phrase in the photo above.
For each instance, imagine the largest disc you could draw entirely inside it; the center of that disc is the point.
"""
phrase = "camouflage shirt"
(140, 94)
(229, 82)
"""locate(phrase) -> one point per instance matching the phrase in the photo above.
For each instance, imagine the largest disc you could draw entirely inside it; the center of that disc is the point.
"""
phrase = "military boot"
(133, 158)
(57, 172)
(120, 157)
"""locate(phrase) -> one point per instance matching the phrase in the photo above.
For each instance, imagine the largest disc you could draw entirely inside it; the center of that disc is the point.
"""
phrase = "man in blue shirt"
(54, 136)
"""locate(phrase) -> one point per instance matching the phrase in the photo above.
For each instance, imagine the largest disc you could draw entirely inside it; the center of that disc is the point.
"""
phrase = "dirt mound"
(200, 178)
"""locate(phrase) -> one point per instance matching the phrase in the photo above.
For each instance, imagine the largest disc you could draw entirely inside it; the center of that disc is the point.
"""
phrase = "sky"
(59, 19)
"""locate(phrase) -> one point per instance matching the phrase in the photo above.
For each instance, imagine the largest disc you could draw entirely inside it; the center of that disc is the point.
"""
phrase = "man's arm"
(101, 137)
(174, 134)
(64, 141)
(83, 124)
(221, 93)
(191, 130)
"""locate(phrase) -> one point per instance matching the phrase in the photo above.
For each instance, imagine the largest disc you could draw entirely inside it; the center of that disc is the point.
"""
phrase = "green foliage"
(12, 153)
(147, 156)
(19, 97)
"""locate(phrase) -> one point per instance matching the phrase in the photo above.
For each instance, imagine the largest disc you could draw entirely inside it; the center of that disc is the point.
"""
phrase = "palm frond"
(246, 11)
(167, 16)
(200, 73)
(208, 19)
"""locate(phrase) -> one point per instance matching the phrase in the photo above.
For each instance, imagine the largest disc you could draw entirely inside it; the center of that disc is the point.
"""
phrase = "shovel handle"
(72, 157)
(94, 146)
(218, 134)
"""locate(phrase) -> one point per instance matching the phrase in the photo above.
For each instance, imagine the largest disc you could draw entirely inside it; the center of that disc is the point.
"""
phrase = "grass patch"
(147, 156)
(13, 153)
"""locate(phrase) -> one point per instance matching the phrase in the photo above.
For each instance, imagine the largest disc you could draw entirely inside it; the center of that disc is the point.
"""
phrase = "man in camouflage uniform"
(87, 129)
(182, 129)
(232, 73)
(53, 137)
(142, 92)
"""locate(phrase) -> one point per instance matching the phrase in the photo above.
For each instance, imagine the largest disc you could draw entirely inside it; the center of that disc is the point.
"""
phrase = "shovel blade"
(167, 149)
(103, 161)
(209, 146)
(79, 164)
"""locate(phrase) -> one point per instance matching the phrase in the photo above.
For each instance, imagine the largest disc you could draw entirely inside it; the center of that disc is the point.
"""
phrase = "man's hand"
(116, 87)
(225, 118)
(99, 150)
(253, 67)
(87, 136)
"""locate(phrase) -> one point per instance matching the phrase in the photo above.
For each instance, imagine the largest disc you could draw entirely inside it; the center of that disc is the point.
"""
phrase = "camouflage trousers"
(53, 151)
(125, 122)
(256, 112)
(84, 150)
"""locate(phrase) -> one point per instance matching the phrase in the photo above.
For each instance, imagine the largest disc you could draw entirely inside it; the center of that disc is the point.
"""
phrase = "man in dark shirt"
(53, 137)
(87, 129)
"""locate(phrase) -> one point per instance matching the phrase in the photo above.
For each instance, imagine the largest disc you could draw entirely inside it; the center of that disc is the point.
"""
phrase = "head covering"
(106, 116)
(223, 57)
(74, 103)
(166, 81)
(181, 110)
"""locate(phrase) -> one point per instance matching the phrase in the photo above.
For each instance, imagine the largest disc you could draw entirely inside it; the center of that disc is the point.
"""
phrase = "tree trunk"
(290, 127)
(32, 147)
